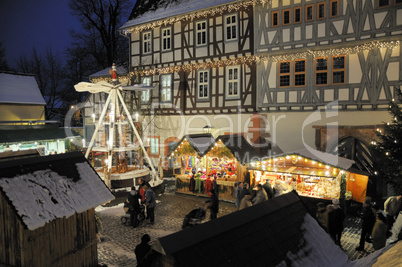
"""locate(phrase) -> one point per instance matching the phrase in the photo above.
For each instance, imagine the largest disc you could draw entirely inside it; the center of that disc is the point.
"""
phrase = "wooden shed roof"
(42, 189)
(272, 233)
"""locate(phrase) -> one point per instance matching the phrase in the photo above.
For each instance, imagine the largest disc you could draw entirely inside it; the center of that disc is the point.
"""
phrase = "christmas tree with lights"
(387, 152)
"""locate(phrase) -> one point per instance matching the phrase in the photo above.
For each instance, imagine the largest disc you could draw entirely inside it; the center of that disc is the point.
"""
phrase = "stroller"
(126, 218)
(194, 217)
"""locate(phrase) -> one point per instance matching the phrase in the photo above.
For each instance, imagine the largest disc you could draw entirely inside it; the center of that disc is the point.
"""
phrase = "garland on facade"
(251, 59)
(220, 10)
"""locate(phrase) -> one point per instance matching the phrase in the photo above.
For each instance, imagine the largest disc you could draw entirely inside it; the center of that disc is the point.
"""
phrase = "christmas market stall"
(218, 166)
(311, 173)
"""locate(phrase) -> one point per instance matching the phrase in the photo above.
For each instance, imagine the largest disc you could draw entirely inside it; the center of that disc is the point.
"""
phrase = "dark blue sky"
(34, 23)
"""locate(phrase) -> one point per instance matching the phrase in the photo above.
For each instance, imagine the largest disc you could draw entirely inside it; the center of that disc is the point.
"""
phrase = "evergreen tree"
(387, 152)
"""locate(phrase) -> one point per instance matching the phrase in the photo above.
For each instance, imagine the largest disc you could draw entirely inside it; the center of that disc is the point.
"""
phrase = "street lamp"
(207, 129)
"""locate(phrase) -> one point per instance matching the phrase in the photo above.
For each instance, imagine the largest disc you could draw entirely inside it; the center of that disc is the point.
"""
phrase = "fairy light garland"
(195, 15)
(251, 59)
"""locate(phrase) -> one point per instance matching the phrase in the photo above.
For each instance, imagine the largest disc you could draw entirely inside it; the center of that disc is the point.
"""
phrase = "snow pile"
(316, 248)
(44, 195)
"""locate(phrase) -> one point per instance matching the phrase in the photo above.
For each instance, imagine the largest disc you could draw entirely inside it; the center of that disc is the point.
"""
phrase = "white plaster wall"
(294, 130)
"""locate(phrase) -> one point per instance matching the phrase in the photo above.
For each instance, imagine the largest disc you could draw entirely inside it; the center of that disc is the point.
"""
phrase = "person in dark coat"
(268, 189)
(244, 191)
(143, 251)
(239, 187)
(335, 221)
(134, 209)
(150, 203)
(214, 204)
(368, 220)
(191, 187)
(142, 183)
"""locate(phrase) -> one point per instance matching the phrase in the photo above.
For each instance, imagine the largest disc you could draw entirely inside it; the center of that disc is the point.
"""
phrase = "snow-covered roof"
(322, 157)
(169, 8)
(42, 189)
(120, 70)
(20, 89)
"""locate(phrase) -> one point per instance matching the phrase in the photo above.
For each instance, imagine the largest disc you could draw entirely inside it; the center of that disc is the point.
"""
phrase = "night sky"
(34, 23)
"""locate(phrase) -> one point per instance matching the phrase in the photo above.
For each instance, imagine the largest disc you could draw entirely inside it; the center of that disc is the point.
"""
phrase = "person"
(268, 189)
(261, 195)
(142, 183)
(396, 229)
(322, 215)
(143, 250)
(368, 220)
(391, 209)
(98, 227)
(214, 204)
(244, 191)
(335, 221)
(192, 183)
(237, 193)
(208, 186)
(134, 209)
(379, 233)
(150, 203)
(246, 201)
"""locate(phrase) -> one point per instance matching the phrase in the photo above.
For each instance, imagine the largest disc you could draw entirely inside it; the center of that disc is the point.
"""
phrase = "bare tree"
(48, 71)
(3, 60)
(100, 20)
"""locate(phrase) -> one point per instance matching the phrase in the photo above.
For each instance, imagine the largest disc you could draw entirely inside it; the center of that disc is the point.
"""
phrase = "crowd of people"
(144, 195)
(376, 227)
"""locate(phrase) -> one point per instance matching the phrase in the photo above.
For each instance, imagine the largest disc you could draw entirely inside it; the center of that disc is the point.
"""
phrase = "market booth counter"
(313, 174)
(222, 158)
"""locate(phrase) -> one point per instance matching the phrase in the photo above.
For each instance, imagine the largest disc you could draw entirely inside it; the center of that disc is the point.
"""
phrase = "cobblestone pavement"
(117, 248)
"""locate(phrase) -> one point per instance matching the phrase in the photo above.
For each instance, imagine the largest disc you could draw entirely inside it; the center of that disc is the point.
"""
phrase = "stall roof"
(278, 232)
(42, 189)
(38, 134)
(323, 157)
(239, 146)
(200, 142)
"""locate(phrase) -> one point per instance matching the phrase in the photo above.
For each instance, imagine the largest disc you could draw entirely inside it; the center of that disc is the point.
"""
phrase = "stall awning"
(30, 135)
(298, 170)
(323, 157)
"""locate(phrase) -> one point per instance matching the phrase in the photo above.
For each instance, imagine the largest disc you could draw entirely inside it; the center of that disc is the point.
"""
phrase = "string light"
(217, 10)
(252, 59)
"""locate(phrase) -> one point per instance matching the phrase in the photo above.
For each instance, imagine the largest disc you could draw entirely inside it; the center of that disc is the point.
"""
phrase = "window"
(300, 72)
(334, 8)
(166, 88)
(166, 39)
(275, 18)
(201, 32)
(309, 12)
(284, 73)
(321, 11)
(154, 141)
(233, 81)
(203, 84)
(338, 69)
(286, 17)
(383, 3)
(297, 15)
(231, 27)
(146, 95)
(146, 43)
(321, 71)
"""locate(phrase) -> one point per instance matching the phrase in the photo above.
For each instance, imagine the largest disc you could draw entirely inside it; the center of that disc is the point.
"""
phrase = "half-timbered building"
(304, 73)
(195, 54)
